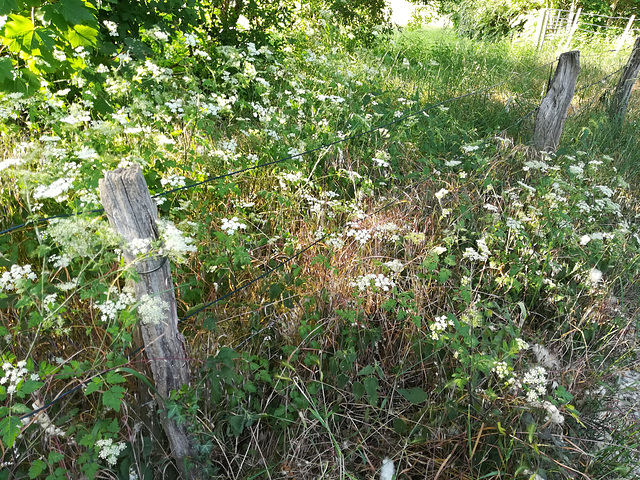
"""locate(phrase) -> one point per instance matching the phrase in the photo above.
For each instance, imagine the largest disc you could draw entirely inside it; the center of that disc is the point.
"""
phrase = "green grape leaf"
(76, 12)
(82, 36)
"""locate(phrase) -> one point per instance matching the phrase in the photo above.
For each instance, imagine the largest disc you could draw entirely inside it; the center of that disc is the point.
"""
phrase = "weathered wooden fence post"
(555, 105)
(133, 213)
(622, 93)
(541, 28)
(623, 38)
(575, 19)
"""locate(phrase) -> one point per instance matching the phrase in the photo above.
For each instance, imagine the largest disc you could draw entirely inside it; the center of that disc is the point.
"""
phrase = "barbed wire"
(132, 356)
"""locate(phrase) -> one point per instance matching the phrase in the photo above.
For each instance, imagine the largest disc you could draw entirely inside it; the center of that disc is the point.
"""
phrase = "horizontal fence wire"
(281, 264)
(290, 157)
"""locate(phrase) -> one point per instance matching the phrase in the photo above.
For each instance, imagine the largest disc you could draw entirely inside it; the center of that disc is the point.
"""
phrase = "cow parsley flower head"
(110, 451)
(153, 310)
(370, 280)
(231, 225)
(174, 243)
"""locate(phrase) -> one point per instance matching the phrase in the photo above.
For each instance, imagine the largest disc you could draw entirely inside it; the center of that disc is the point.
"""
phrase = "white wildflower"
(595, 276)
(379, 281)
(110, 451)
(153, 310)
(439, 325)
(440, 194)
(395, 266)
(231, 226)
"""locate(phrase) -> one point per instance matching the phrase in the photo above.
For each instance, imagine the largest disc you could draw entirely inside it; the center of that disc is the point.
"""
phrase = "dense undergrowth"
(469, 311)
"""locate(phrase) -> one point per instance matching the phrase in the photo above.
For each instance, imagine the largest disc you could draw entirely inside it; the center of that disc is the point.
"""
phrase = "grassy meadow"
(467, 310)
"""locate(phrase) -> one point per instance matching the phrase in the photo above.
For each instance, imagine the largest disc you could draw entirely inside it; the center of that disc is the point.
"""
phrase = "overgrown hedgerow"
(467, 313)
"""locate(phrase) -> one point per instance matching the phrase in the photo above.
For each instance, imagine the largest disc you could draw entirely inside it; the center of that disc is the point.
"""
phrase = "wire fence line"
(290, 157)
(133, 355)
(318, 241)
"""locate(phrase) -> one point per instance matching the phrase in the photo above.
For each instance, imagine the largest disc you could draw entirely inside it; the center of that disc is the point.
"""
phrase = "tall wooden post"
(133, 214)
(540, 28)
(622, 93)
(555, 105)
(574, 27)
(623, 38)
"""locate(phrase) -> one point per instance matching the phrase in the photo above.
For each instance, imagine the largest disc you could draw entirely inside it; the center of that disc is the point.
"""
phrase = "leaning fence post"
(574, 27)
(622, 92)
(540, 28)
(133, 213)
(555, 105)
(623, 38)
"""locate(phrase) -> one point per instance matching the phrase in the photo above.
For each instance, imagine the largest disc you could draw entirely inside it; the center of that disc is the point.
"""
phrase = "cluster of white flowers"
(112, 27)
(153, 310)
(50, 430)
(335, 241)
(57, 189)
(536, 381)
(359, 235)
(13, 375)
(14, 278)
(120, 301)
(521, 344)
(395, 266)
(376, 280)
(481, 256)
(139, 246)
(501, 369)
(173, 180)
(232, 225)
(536, 165)
(452, 163)
(381, 159)
(470, 148)
(440, 194)
(110, 451)
(439, 325)
(10, 162)
(174, 243)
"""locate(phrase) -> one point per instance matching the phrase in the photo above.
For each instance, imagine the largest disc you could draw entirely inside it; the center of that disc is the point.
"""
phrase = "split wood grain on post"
(133, 214)
(554, 107)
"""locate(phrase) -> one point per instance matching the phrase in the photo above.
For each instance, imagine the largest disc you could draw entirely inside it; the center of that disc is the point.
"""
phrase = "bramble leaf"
(113, 397)
(10, 428)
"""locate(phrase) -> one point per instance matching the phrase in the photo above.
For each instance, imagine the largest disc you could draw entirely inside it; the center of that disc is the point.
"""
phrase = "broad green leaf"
(37, 467)
(22, 35)
(358, 390)
(8, 6)
(113, 397)
(368, 370)
(237, 424)
(6, 71)
(82, 36)
(414, 395)
(76, 12)
(55, 457)
(94, 385)
(113, 377)
(9, 430)
(371, 386)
